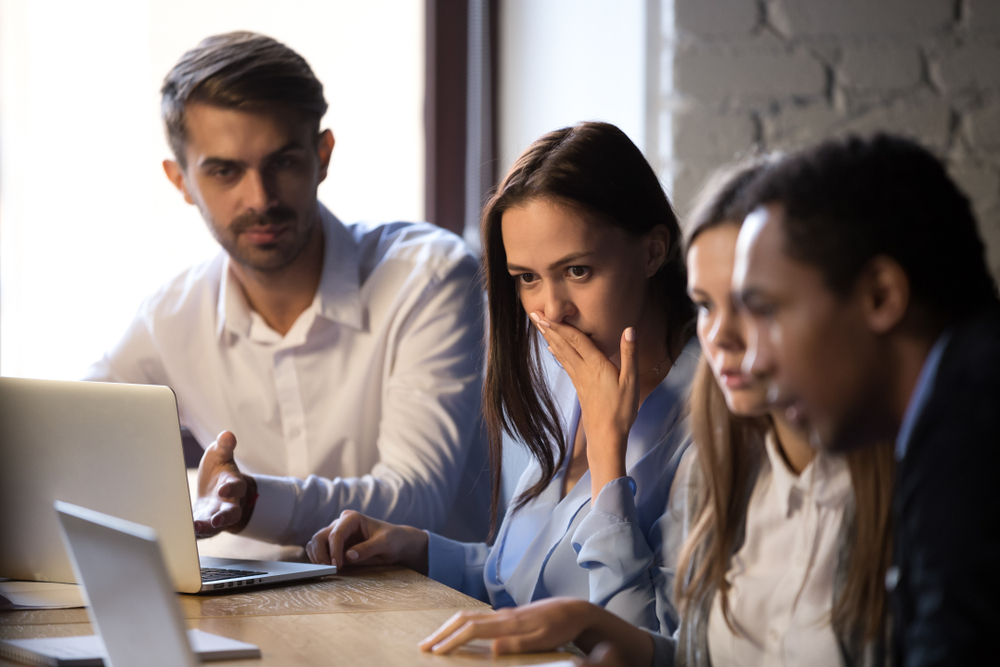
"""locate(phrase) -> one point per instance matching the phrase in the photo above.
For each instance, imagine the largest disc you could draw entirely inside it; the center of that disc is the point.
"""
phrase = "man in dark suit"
(872, 311)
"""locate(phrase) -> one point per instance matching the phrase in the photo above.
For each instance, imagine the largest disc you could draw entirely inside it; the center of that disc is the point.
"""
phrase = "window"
(89, 225)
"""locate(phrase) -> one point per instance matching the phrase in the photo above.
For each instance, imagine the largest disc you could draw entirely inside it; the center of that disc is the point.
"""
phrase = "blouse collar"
(826, 480)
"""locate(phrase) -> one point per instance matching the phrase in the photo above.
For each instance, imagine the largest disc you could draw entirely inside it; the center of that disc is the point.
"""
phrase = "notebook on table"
(115, 448)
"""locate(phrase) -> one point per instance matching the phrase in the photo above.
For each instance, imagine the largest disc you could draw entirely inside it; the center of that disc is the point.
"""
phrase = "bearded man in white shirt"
(346, 358)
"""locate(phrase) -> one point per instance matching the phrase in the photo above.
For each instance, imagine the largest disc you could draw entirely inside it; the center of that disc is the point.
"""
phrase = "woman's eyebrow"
(572, 257)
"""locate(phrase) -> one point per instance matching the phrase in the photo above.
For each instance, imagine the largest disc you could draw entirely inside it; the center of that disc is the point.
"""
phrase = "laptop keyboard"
(215, 574)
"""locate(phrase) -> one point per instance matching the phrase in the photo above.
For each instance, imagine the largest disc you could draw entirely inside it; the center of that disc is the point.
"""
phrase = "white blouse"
(781, 579)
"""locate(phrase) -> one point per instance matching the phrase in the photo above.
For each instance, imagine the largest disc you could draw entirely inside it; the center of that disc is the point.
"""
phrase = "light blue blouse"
(611, 553)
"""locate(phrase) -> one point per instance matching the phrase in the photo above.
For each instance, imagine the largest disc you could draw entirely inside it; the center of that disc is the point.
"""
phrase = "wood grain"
(359, 638)
(367, 616)
(385, 588)
(388, 588)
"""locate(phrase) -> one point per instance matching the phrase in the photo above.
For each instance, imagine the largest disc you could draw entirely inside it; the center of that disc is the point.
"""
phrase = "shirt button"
(294, 432)
(773, 637)
(891, 578)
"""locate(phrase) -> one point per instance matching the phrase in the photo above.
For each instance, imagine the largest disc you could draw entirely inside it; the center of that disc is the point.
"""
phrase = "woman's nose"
(728, 331)
(557, 305)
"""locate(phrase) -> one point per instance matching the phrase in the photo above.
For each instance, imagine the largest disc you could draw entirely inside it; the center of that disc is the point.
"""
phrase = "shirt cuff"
(445, 560)
(664, 649)
(617, 500)
(272, 514)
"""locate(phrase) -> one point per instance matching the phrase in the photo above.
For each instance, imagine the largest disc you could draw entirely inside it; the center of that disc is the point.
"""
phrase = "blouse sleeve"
(611, 546)
(632, 574)
(458, 565)
(664, 648)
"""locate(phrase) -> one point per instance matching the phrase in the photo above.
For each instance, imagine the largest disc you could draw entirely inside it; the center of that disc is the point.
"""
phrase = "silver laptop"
(116, 449)
(131, 600)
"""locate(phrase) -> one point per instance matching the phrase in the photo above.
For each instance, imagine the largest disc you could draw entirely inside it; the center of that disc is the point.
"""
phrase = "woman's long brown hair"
(595, 168)
(729, 451)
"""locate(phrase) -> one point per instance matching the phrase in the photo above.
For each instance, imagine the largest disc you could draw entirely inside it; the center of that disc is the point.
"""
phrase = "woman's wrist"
(415, 555)
(606, 463)
(633, 644)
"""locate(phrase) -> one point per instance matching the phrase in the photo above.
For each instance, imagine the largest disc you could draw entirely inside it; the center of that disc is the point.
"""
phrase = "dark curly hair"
(848, 200)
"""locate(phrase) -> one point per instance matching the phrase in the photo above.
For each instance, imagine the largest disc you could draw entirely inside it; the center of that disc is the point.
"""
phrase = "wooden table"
(368, 616)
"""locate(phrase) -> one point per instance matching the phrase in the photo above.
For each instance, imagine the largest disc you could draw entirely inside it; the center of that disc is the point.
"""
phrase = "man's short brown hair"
(238, 70)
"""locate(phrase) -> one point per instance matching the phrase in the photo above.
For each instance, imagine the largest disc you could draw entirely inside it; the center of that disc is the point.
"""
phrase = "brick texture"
(859, 17)
(716, 18)
(781, 74)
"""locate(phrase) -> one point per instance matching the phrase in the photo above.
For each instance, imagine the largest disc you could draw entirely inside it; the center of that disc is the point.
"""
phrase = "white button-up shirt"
(371, 401)
(781, 579)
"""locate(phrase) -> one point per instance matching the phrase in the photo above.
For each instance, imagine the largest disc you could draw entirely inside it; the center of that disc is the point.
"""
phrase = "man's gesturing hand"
(223, 492)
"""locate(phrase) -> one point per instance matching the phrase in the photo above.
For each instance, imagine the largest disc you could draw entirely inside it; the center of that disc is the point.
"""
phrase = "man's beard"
(269, 257)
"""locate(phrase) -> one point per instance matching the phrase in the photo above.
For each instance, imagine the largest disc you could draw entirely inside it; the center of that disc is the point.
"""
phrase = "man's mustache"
(278, 215)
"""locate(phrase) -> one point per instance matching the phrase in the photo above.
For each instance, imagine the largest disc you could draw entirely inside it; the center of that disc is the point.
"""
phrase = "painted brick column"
(780, 74)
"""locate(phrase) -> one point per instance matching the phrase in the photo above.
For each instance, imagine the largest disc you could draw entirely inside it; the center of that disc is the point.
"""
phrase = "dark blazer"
(946, 597)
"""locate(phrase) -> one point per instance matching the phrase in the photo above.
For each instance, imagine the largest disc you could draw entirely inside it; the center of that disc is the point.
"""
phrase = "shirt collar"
(921, 393)
(338, 296)
(233, 312)
(339, 290)
(826, 480)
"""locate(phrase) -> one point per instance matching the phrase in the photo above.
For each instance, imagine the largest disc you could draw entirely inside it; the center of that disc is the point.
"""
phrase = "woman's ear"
(656, 245)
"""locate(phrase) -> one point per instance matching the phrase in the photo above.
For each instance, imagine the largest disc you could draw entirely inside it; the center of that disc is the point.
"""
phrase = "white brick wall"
(785, 73)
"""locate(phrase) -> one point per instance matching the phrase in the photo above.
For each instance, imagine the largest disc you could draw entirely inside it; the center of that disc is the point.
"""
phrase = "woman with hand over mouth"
(590, 361)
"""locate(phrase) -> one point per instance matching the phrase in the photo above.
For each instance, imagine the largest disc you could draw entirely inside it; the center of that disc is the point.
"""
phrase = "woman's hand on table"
(547, 625)
(540, 626)
(609, 396)
(355, 539)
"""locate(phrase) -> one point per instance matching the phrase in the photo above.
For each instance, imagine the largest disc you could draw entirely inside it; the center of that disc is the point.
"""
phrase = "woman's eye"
(579, 271)
(525, 278)
(703, 306)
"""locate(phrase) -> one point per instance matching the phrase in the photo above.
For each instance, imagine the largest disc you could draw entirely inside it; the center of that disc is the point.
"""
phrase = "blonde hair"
(729, 452)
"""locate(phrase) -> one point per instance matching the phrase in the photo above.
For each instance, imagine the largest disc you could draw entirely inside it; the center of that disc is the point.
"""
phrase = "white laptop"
(116, 449)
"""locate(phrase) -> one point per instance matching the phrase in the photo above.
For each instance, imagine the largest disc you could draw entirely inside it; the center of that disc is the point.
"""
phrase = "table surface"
(367, 616)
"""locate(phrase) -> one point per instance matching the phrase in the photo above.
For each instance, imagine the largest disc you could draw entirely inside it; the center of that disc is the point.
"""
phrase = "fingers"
(450, 626)
(212, 516)
(377, 545)
(355, 538)
(228, 515)
(226, 445)
(629, 374)
(318, 548)
(468, 626)
(347, 527)
(566, 338)
(531, 642)
(218, 458)
(230, 486)
(565, 354)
